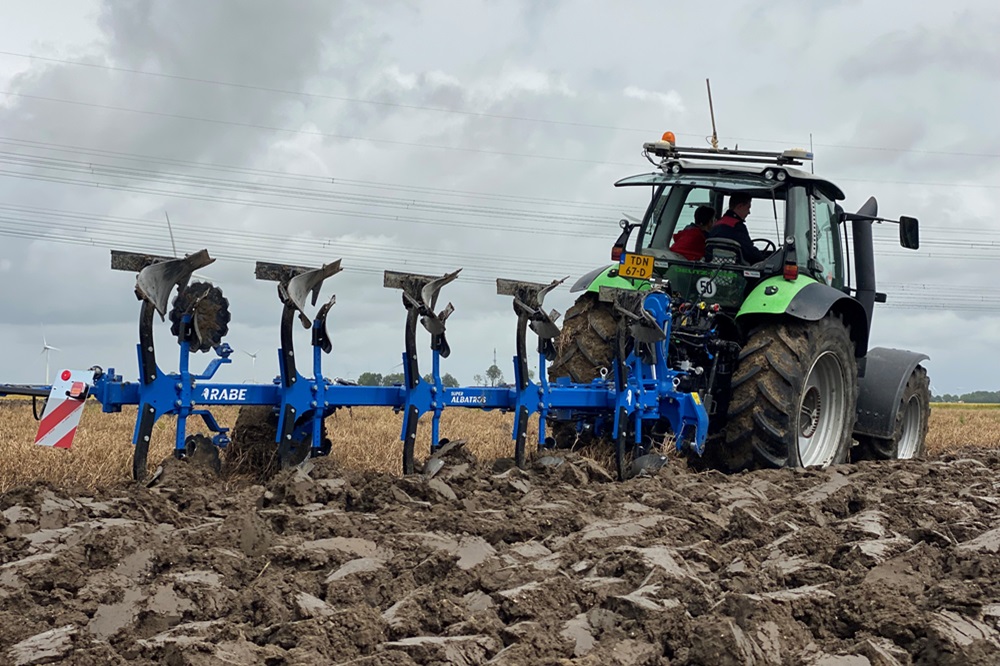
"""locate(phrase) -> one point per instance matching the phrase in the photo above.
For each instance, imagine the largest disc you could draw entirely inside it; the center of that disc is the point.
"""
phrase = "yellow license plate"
(639, 266)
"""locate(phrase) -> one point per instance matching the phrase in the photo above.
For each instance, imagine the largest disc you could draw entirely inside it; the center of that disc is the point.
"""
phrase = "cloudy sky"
(430, 136)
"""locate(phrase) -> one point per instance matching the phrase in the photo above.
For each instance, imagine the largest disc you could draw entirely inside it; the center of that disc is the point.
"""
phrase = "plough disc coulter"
(637, 396)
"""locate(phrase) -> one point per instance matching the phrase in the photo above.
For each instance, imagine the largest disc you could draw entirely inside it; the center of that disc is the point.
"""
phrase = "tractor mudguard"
(607, 277)
(806, 299)
(881, 389)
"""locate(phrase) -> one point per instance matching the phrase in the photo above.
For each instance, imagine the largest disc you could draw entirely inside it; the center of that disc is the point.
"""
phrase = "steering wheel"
(769, 245)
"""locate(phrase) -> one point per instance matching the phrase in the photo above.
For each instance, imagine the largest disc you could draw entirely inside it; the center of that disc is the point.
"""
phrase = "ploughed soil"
(871, 563)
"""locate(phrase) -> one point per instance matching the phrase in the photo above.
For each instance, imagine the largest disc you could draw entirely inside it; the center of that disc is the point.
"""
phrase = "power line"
(249, 246)
(310, 178)
(479, 274)
(579, 228)
(313, 178)
(579, 224)
(412, 144)
(125, 226)
(576, 220)
(174, 178)
(238, 250)
(465, 112)
(295, 207)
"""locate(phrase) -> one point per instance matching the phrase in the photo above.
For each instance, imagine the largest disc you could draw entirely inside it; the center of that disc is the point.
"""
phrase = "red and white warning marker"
(64, 409)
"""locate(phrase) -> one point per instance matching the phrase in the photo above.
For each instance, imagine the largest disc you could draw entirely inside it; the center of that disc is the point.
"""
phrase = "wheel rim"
(909, 438)
(821, 409)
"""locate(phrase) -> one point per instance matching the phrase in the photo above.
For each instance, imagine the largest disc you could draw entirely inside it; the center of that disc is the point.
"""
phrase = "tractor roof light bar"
(666, 149)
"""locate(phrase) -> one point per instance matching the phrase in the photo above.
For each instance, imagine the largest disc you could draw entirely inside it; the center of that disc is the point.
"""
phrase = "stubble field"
(365, 438)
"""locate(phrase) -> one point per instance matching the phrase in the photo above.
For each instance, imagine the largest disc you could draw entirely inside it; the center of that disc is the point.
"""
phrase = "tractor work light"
(797, 154)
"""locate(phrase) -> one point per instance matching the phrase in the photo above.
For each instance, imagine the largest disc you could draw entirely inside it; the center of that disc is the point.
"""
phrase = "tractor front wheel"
(585, 342)
(584, 349)
(794, 395)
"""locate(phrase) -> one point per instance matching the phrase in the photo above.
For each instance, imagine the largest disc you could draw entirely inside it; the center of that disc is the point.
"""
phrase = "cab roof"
(731, 176)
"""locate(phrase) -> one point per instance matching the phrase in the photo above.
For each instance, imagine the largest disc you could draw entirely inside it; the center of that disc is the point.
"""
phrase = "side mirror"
(909, 233)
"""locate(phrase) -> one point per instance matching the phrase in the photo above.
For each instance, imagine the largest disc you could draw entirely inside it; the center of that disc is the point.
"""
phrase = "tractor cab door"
(826, 258)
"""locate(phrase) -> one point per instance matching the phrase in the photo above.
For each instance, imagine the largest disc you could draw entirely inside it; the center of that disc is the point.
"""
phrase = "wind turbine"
(46, 348)
(253, 361)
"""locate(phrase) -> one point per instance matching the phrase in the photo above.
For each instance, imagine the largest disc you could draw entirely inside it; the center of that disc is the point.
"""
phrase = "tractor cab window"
(678, 196)
(825, 242)
(673, 211)
(696, 198)
(766, 222)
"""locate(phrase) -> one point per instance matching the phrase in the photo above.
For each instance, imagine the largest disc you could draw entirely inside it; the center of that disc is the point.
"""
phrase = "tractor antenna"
(812, 162)
(711, 111)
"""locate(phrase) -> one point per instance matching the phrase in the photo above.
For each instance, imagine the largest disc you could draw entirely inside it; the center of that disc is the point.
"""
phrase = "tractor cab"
(792, 221)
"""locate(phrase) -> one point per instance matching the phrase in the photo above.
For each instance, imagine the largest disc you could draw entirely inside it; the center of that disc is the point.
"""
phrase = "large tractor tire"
(909, 439)
(584, 348)
(585, 342)
(794, 395)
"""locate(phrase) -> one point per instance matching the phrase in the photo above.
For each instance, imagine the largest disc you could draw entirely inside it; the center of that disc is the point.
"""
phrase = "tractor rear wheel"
(794, 395)
(909, 439)
(584, 348)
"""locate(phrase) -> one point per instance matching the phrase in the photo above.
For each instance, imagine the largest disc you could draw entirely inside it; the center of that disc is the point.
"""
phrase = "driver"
(733, 226)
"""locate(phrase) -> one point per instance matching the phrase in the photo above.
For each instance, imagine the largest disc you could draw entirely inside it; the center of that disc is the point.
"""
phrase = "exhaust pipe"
(864, 257)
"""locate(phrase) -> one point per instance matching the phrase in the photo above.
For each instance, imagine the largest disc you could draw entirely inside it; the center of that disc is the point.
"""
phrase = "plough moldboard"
(640, 390)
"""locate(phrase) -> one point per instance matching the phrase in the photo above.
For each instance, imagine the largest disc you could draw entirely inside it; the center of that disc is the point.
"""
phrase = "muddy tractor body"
(776, 348)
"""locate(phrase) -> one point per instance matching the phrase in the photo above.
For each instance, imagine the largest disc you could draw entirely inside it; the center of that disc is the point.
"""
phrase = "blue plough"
(640, 390)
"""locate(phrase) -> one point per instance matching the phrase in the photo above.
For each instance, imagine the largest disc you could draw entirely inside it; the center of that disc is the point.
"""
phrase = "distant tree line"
(975, 396)
(493, 377)
(377, 379)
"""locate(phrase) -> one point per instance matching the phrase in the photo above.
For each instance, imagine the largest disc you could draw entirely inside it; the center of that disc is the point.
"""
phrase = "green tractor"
(775, 345)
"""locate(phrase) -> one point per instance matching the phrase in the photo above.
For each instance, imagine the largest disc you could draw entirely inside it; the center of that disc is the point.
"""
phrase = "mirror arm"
(851, 217)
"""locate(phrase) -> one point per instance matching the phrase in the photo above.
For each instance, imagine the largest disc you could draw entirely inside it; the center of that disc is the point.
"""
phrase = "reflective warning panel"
(63, 409)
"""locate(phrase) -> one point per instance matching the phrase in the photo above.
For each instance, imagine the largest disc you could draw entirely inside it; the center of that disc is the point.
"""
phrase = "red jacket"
(689, 242)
